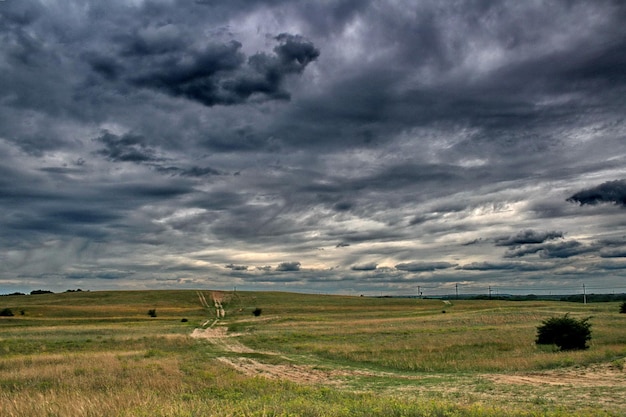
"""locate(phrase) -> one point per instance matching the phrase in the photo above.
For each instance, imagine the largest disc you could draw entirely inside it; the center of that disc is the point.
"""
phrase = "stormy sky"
(358, 147)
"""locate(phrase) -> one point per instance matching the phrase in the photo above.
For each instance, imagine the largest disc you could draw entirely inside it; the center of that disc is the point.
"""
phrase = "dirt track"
(590, 376)
(252, 367)
(228, 342)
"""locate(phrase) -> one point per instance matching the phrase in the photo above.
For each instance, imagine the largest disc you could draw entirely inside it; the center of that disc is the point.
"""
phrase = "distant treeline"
(37, 292)
(576, 298)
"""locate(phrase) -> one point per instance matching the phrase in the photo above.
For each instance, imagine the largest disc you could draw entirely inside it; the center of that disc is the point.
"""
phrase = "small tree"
(6, 312)
(257, 312)
(152, 312)
(622, 308)
(565, 332)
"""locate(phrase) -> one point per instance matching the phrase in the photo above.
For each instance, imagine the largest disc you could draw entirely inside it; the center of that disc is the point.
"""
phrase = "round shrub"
(622, 308)
(565, 332)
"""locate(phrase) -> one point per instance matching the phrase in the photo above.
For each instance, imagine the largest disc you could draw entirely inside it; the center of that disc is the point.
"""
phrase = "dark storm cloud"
(526, 237)
(210, 74)
(209, 132)
(608, 192)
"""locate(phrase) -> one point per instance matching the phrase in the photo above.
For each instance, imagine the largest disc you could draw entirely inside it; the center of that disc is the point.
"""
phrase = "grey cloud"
(237, 267)
(420, 219)
(551, 250)
(526, 237)
(199, 172)
(219, 199)
(83, 216)
(423, 266)
(126, 148)
(288, 266)
(473, 242)
(294, 53)
(192, 172)
(265, 268)
(608, 192)
(107, 275)
(343, 206)
(146, 191)
(613, 265)
(136, 149)
(615, 253)
(371, 266)
(503, 266)
(601, 66)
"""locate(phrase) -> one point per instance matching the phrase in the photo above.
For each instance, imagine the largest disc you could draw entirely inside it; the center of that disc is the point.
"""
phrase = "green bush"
(6, 312)
(152, 312)
(565, 332)
(622, 307)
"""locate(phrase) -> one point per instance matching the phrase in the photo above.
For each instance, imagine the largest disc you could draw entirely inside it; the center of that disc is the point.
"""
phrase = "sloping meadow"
(102, 354)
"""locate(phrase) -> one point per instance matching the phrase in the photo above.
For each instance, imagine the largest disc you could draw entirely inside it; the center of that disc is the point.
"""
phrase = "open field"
(101, 354)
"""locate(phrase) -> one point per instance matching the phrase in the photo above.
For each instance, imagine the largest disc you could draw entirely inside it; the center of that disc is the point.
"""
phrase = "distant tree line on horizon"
(575, 298)
(38, 292)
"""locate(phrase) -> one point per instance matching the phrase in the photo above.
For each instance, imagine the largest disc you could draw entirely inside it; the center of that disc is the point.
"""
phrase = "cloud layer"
(357, 147)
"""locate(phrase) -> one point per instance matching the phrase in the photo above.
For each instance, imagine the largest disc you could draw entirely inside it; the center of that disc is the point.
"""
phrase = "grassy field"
(101, 354)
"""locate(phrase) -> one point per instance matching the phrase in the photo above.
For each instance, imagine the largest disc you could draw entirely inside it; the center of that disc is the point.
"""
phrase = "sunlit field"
(102, 354)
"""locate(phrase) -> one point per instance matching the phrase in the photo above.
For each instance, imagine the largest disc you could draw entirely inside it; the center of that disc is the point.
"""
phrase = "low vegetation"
(99, 354)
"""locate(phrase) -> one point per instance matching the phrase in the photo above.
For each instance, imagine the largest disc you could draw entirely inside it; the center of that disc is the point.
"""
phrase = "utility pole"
(419, 292)
(584, 295)
(456, 288)
(490, 292)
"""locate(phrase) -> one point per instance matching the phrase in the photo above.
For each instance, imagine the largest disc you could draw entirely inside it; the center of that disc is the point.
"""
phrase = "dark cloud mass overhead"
(344, 146)
(608, 192)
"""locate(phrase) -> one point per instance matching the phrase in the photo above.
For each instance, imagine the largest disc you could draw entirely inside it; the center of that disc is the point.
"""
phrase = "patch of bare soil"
(601, 375)
(297, 373)
(291, 372)
(219, 337)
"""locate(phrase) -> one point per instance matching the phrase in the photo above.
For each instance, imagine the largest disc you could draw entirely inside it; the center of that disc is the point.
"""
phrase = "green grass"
(100, 354)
